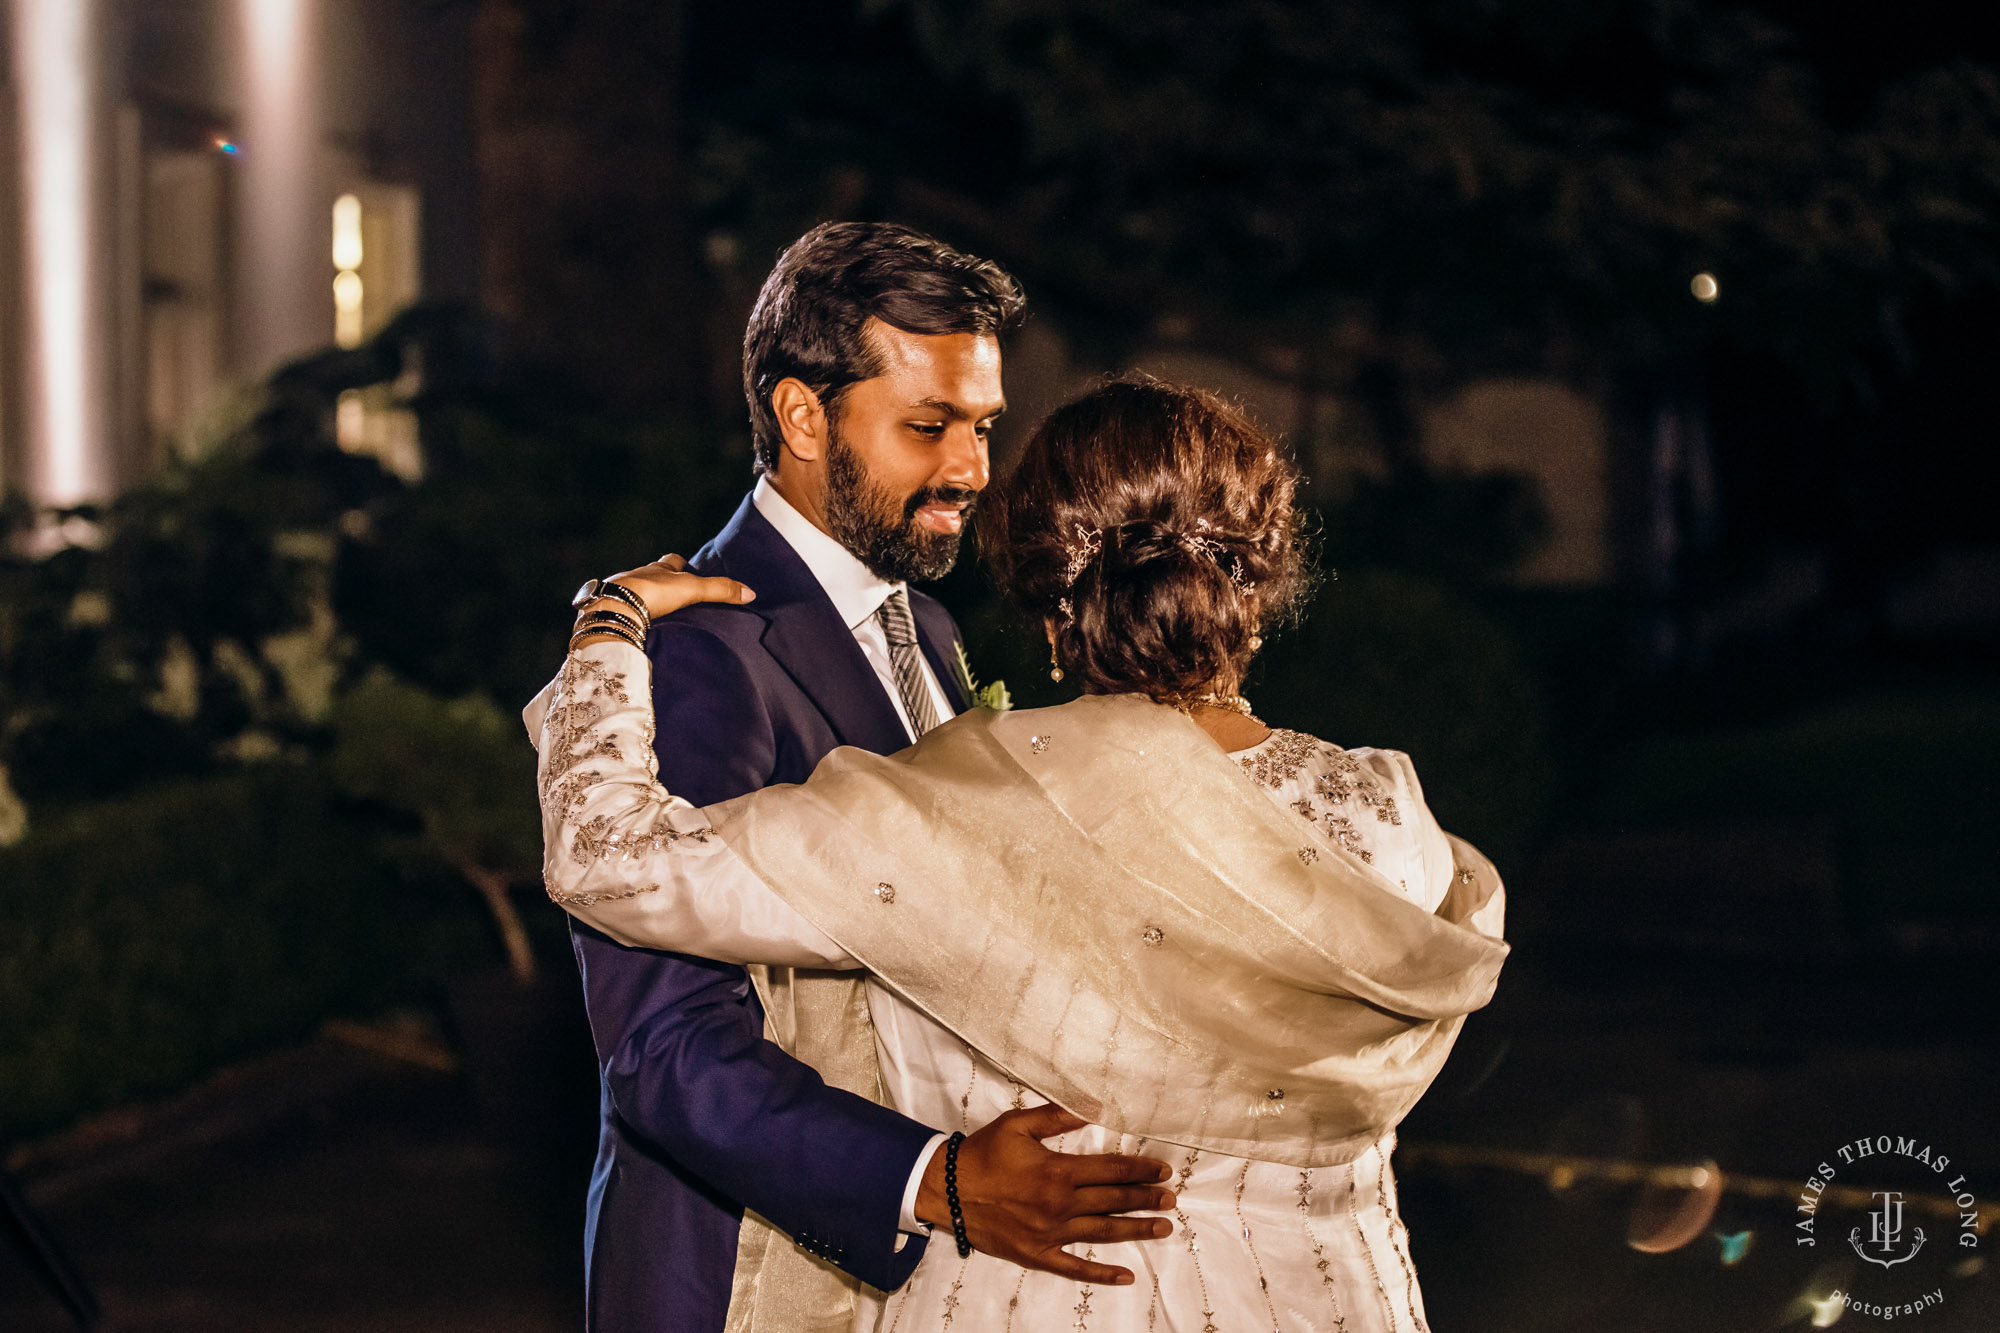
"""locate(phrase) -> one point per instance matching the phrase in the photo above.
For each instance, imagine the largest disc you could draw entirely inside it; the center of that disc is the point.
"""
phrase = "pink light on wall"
(281, 275)
(68, 372)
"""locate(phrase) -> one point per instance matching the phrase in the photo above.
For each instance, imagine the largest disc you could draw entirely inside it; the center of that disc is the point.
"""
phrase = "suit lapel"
(803, 632)
(939, 638)
(819, 652)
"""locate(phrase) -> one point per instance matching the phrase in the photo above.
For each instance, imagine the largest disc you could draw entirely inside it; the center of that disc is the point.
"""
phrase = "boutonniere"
(992, 696)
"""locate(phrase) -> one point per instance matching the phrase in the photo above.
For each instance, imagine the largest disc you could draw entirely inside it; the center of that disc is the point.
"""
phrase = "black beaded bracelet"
(951, 1195)
(632, 599)
(609, 617)
(618, 632)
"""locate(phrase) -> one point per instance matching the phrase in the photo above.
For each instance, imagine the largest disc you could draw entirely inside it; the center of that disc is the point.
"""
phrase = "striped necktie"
(906, 661)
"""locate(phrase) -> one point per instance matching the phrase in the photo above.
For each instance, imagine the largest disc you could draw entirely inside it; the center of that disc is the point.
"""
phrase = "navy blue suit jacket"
(701, 1117)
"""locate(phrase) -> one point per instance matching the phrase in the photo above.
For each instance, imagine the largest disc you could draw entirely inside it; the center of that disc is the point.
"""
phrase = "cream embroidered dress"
(1255, 985)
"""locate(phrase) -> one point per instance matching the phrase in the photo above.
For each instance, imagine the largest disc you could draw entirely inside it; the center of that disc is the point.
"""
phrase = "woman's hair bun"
(1155, 526)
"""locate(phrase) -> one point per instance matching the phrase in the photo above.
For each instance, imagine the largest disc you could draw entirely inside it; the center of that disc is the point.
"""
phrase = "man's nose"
(966, 464)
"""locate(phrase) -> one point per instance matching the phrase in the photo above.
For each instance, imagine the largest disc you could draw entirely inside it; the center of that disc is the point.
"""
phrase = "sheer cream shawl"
(1097, 898)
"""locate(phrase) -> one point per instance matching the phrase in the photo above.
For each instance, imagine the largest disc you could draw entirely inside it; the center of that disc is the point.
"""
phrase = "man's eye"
(929, 430)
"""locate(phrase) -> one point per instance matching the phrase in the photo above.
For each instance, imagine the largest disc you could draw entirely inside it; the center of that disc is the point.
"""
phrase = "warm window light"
(347, 309)
(347, 291)
(1705, 288)
(347, 232)
(350, 420)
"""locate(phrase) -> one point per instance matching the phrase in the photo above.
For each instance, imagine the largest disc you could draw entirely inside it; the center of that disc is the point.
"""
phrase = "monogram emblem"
(1885, 1233)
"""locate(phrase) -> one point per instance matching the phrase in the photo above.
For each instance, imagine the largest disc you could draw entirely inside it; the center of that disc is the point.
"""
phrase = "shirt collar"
(855, 590)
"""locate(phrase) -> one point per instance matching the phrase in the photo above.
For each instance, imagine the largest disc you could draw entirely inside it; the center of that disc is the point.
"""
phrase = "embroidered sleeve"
(1278, 760)
(621, 853)
(1434, 856)
(1365, 802)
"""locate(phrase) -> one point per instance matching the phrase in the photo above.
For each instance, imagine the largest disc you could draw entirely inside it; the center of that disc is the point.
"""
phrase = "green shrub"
(145, 938)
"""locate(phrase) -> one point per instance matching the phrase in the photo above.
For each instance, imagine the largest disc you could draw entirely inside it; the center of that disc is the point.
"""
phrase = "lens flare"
(1673, 1208)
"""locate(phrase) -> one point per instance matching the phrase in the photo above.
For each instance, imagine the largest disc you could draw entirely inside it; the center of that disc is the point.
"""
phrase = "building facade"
(194, 192)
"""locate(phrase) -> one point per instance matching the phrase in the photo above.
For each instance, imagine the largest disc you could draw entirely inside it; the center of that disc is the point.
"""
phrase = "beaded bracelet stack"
(951, 1147)
(617, 624)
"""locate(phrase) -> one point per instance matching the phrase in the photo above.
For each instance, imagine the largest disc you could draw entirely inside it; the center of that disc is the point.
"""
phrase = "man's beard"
(882, 532)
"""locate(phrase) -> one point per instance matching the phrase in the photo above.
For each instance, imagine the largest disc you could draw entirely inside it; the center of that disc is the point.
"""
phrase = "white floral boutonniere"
(992, 696)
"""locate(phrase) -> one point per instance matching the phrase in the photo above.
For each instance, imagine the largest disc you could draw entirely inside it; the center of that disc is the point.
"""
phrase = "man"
(872, 369)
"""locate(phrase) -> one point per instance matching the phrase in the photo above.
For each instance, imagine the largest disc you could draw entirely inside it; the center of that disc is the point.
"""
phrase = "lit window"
(347, 232)
(347, 309)
(347, 322)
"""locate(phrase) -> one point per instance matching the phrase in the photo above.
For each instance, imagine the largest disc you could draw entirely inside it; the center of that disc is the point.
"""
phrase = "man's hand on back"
(1023, 1203)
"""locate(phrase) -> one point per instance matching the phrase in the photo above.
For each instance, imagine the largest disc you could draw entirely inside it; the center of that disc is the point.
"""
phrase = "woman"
(1244, 949)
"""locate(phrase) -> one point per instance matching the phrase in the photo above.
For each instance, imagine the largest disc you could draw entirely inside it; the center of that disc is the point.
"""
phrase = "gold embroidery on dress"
(965, 1098)
(573, 711)
(597, 840)
(951, 1297)
(586, 899)
(1395, 1225)
(572, 736)
(1320, 1261)
(1348, 838)
(1278, 759)
(1263, 1283)
(1082, 1306)
(907, 1294)
(1014, 1301)
(1187, 1233)
(1349, 781)
(1367, 1249)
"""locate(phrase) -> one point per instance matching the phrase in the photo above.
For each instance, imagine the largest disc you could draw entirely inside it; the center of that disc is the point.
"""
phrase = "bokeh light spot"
(1674, 1208)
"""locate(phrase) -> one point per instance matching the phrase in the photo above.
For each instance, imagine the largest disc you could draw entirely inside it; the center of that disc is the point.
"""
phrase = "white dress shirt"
(857, 593)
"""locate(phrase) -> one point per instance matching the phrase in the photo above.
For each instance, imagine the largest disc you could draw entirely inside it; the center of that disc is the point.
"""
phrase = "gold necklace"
(1234, 703)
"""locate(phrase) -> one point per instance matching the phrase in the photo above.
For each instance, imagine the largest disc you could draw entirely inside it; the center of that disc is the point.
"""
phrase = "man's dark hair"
(808, 320)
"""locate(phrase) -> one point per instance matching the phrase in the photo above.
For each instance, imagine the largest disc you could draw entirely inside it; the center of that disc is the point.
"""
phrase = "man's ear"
(801, 419)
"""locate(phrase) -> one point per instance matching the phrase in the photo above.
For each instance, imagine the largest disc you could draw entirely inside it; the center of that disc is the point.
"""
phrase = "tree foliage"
(1452, 182)
(460, 767)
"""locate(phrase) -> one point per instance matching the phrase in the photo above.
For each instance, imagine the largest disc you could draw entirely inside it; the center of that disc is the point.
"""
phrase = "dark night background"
(1687, 611)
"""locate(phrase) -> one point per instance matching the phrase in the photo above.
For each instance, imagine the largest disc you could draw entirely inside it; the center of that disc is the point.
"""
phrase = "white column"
(283, 295)
(68, 331)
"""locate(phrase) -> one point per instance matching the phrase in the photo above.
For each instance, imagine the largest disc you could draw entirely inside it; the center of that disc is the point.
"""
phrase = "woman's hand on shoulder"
(665, 587)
